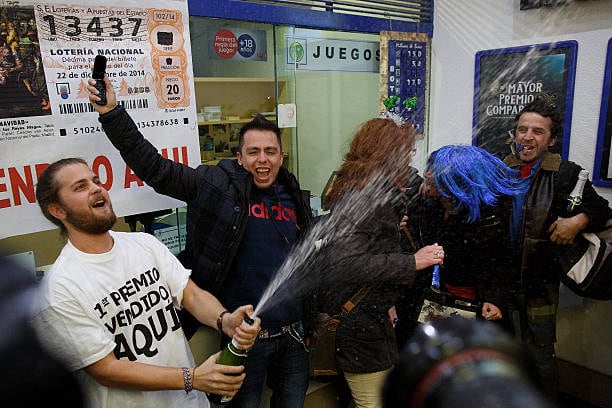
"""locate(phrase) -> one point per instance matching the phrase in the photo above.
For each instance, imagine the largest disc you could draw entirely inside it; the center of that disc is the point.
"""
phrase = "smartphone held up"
(99, 69)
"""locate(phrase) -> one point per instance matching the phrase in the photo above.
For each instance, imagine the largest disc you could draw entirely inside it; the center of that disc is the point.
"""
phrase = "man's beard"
(89, 223)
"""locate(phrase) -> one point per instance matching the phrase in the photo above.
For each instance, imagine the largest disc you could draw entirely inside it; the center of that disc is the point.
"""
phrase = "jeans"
(284, 361)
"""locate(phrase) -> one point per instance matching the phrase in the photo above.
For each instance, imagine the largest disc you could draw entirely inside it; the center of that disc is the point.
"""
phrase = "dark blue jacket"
(217, 200)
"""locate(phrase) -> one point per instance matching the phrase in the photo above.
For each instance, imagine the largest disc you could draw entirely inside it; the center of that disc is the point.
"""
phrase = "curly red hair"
(380, 148)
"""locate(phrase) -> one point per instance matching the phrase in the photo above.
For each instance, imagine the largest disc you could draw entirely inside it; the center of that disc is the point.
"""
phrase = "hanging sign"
(324, 54)
(404, 76)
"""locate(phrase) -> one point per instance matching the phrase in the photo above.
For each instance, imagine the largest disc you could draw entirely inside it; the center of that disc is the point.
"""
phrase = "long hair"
(381, 150)
(47, 188)
(470, 176)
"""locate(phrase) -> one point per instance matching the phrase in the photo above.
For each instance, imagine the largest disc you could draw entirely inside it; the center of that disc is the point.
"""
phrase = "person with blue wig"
(459, 209)
(469, 177)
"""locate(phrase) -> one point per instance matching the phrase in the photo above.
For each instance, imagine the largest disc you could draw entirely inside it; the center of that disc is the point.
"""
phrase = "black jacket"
(470, 249)
(531, 281)
(217, 200)
(546, 201)
(367, 254)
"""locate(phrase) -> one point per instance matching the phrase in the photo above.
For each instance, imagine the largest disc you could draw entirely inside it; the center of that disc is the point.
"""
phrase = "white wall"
(464, 27)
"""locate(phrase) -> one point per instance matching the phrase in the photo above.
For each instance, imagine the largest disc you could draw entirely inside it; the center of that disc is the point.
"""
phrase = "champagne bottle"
(567, 256)
(575, 197)
(233, 356)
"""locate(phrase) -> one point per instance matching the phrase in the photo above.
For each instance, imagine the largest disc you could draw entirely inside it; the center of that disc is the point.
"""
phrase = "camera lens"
(457, 362)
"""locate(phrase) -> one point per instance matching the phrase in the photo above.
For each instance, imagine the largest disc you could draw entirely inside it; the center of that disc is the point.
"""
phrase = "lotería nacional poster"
(507, 79)
(48, 52)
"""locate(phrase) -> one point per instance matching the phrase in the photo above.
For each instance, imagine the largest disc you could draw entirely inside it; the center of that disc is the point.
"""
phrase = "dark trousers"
(282, 364)
(548, 370)
(542, 355)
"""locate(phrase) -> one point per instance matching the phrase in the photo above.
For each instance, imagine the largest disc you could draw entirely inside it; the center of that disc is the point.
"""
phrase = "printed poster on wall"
(602, 173)
(45, 113)
(508, 79)
(404, 76)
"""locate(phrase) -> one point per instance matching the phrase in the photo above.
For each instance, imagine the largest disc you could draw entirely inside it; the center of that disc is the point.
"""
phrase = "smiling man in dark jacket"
(243, 218)
(539, 227)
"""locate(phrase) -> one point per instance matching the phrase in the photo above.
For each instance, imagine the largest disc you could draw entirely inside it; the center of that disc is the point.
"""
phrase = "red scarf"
(526, 169)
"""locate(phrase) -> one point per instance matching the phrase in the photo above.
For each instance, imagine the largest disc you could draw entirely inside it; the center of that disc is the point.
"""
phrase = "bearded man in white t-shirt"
(108, 306)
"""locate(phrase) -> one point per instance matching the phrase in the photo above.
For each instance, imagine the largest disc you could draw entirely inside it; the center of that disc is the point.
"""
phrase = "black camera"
(458, 362)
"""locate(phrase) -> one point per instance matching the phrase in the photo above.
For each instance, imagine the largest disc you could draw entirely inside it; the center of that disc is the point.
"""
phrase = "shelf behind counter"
(239, 99)
(231, 121)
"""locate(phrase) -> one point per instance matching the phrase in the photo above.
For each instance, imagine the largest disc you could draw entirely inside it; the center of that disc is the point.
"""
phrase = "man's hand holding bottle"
(216, 377)
(234, 326)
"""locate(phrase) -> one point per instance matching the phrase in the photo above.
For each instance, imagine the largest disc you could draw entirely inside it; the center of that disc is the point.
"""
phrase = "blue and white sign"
(323, 54)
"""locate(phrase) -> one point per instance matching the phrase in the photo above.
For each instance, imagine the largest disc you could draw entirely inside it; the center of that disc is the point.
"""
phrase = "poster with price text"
(404, 76)
(45, 114)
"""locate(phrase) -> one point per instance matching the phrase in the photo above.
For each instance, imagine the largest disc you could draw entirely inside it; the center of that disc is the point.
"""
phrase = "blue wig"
(470, 176)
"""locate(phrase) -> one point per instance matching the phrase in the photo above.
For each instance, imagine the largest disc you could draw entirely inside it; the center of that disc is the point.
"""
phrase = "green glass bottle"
(233, 356)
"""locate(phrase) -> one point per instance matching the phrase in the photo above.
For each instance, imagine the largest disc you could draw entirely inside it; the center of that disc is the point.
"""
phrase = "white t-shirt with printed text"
(125, 301)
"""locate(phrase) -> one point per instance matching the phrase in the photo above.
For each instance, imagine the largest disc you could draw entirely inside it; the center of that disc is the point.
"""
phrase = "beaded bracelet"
(187, 379)
(220, 321)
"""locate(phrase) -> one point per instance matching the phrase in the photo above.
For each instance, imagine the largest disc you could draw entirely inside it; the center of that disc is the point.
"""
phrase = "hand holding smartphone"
(98, 72)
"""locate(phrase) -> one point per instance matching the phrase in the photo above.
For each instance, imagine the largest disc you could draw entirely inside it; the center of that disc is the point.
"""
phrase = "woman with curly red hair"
(367, 202)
